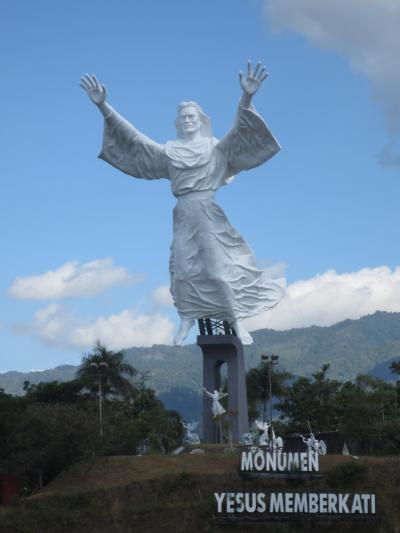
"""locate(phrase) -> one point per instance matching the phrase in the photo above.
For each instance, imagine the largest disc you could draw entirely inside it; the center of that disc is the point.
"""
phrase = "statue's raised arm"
(96, 91)
(249, 143)
(252, 82)
(207, 393)
(124, 146)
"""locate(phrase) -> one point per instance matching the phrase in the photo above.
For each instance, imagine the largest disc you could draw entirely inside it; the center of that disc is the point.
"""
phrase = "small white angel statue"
(313, 444)
(276, 442)
(216, 396)
(264, 427)
(246, 439)
(191, 437)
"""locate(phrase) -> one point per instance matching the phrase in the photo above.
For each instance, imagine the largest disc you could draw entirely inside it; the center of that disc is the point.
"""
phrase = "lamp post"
(99, 367)
(270, 360)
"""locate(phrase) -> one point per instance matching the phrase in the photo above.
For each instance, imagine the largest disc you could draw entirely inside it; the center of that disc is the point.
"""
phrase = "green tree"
(312, 399)
(109, 367)
(44, 439)
(11, 409)
(55, 392)
(369, 415)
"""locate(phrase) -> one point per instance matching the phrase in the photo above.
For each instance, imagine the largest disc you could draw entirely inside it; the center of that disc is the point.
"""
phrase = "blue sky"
(85, 248)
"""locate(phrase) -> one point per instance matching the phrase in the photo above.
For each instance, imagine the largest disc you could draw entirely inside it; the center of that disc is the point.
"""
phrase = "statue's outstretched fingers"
(95, 81)
(249, 68)
(264, 76)
(89, 80)
(262, 72)
(85, 84)
(257, 69)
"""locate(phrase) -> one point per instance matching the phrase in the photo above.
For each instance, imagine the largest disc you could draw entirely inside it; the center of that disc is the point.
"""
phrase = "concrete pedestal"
(217, 350)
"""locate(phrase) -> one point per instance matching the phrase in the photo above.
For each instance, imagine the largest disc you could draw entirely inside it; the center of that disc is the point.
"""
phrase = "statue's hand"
(95, 90)
(251, 83)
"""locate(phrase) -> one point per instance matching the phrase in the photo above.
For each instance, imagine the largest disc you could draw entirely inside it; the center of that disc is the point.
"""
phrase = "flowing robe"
(212, 269)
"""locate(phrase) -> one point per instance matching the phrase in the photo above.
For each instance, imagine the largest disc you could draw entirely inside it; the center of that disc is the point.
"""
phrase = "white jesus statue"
(212, 269)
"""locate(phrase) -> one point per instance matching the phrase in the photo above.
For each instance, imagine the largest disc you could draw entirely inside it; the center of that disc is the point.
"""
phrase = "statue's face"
(189, 120)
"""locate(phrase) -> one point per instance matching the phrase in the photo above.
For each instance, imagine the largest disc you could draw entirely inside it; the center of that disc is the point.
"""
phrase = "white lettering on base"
(230, 500)
(296, 502)
(220, 499)
(270, 462)
(313, 461)
(239, 501)
(357, 504)
(300, 503)
(247, 461)
(332, 503)
(313, 502)
(276, 503)
(289, 502)
(262, 507)
(343, 503)
(323, 503)
(261, 460)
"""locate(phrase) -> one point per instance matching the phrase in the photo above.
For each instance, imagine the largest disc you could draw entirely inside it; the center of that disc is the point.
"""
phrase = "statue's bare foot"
(184, 328)
(242, 332)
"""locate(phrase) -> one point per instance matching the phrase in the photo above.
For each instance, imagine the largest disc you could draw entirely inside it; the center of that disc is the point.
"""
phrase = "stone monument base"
(217, 350)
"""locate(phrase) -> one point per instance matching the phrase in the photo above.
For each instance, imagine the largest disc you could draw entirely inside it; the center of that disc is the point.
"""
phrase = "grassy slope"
(174, 494)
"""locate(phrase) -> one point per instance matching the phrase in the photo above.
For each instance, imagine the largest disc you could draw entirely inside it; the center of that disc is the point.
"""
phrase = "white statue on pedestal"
(191, 437)
(276, 442)
(213, 271)
(264, 427)
(217, 408)
(314, 444)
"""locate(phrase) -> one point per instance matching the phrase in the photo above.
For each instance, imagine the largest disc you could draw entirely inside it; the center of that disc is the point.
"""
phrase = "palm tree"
(258, 387)
(104, 367)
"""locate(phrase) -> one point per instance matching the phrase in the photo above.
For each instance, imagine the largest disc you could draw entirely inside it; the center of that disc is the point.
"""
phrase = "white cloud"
(125, 330)
(162, 296)
(321, 300)
(58, 326)
(366, 32)
(72, 280)
(330, 297)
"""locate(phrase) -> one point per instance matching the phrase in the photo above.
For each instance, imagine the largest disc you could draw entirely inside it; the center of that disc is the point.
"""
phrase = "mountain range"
(351, 347)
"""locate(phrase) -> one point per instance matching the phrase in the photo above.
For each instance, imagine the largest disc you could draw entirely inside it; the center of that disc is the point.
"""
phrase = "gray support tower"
(217, 350)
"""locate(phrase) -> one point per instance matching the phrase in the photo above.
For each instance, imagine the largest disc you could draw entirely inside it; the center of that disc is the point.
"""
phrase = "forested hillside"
(351, 347)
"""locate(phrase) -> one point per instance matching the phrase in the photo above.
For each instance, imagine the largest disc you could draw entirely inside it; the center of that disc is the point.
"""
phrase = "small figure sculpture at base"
(216, 407)
(263, 439)
(191, 437)
(246, 439)
(314, 444)
(276, 444)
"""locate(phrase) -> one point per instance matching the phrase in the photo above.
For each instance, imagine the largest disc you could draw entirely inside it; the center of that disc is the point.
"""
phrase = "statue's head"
(191, 119)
